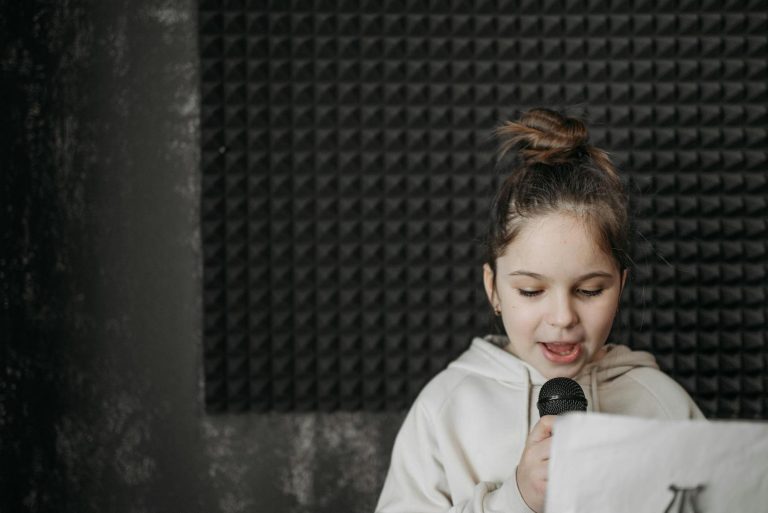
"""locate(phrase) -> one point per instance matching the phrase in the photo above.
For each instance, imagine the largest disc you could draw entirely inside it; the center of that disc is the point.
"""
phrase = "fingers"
(540, 450)
(543, 429)
(532, 471)
(536, 457)
(532, 474)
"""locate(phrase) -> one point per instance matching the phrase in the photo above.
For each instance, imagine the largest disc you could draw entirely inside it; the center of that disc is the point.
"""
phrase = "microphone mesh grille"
(559, 395)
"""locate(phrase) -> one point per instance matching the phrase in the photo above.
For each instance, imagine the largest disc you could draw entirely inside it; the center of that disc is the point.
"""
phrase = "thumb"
(543, 428)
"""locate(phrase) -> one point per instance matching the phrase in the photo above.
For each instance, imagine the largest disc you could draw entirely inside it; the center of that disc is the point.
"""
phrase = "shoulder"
(455, 393)
(649, 392)
(442, 388)
(480, 367)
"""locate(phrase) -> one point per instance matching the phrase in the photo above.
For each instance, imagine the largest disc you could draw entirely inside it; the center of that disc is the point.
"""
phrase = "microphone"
(560, 395)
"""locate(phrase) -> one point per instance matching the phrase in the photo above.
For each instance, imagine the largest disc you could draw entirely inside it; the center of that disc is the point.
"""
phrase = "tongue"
(562, 353)
(561, 348)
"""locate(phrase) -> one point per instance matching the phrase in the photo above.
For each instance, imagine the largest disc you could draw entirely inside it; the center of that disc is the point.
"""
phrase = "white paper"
(609, 464)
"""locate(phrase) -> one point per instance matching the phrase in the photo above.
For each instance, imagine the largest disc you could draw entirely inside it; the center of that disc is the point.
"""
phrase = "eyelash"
(534, 293)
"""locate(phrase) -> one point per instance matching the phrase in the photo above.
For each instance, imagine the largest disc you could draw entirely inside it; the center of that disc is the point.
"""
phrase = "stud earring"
(497, 310)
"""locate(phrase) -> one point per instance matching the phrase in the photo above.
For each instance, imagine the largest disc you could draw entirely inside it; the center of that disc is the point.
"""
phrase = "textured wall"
(101, 394)
(347, 171)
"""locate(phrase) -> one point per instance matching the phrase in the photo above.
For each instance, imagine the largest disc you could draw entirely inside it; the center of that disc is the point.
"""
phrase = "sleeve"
(416, 481)
(650, 393)
(676, 401)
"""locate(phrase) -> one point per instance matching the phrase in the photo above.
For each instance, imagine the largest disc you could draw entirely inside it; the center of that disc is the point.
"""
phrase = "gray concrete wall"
(101, 393)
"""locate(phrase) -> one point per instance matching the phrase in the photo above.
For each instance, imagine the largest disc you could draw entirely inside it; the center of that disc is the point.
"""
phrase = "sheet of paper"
(608, 463)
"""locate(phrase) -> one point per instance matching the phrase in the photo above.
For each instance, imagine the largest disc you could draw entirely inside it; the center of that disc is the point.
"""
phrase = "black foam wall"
(347, 170)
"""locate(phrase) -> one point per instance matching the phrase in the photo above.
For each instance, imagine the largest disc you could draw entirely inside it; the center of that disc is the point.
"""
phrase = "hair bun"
(544, 136)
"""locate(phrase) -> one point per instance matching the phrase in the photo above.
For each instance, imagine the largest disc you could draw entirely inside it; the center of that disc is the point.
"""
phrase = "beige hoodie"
(459, 445)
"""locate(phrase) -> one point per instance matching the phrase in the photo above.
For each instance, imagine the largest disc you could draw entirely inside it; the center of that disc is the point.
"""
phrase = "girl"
(557, 262)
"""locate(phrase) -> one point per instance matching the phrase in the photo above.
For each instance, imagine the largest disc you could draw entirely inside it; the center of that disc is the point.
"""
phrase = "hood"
(616, 361)
(486, 357)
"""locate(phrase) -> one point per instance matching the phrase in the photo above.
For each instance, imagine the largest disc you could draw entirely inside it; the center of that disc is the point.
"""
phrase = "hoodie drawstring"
(527, 405)
(593, 389)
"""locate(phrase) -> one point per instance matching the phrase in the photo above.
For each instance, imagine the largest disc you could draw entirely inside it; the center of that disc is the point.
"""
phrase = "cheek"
(519, 316)
(600, 319)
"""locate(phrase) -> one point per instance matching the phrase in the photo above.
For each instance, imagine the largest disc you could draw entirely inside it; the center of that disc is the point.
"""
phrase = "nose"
(562, 312)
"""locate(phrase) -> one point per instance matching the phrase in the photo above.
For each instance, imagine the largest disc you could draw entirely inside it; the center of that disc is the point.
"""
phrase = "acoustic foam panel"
(348, 167)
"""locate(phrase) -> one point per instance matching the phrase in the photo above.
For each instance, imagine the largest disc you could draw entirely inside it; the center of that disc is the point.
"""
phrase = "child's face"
(558, 293)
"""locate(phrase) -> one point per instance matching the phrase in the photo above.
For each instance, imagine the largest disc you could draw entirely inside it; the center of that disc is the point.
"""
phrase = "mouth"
(561, 352)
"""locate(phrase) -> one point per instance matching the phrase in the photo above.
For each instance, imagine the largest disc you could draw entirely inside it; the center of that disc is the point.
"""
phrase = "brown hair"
(551, 167)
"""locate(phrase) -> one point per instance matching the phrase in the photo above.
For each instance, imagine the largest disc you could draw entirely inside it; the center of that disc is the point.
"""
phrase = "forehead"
(556, 244)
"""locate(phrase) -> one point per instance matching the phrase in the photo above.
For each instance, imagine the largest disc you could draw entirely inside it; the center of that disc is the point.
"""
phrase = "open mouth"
(561, 352)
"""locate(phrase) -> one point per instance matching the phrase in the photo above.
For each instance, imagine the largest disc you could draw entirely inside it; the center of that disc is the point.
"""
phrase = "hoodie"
(460, 443)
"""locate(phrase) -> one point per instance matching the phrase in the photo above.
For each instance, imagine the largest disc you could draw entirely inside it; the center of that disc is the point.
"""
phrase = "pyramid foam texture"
(347, 168)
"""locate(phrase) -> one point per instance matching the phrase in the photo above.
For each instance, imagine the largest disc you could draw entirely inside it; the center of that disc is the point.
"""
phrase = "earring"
(497, 310)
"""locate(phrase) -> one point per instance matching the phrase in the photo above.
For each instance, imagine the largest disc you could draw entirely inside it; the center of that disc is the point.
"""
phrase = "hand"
(532, 470)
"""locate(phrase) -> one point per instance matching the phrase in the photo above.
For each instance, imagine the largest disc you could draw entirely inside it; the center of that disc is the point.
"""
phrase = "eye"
(591, 293)
(528, 293)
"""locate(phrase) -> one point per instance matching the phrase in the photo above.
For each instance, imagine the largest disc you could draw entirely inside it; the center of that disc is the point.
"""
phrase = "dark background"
(347, 170)
(101, 281)
(101, 389)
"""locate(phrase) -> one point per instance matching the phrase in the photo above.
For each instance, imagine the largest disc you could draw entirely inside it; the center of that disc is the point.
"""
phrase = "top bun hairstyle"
(551, 167)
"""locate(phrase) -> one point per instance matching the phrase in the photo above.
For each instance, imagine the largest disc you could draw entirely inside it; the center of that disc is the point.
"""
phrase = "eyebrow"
(537, 276)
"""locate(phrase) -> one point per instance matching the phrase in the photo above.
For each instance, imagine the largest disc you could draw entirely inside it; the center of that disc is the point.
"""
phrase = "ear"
(490, 285)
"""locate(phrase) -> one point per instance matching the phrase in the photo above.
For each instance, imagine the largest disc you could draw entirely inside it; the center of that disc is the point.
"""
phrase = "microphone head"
(560, 395)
